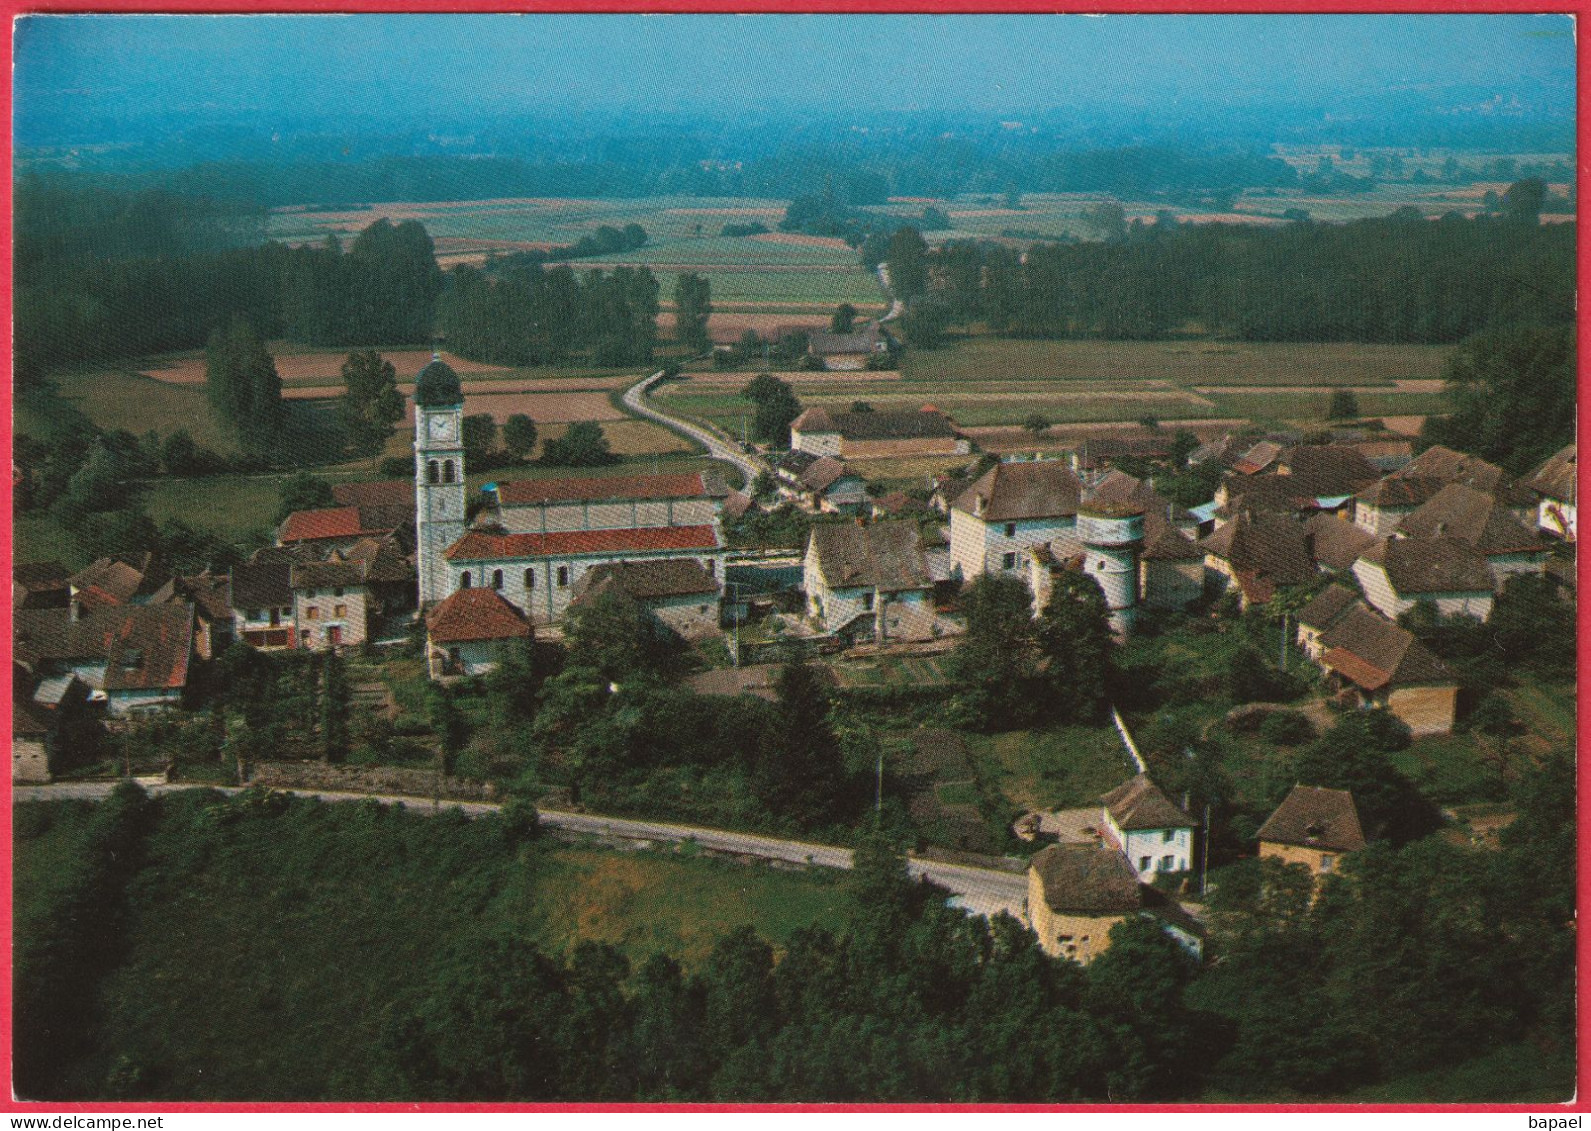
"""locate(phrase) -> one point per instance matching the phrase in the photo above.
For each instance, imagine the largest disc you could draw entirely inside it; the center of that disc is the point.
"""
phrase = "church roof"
(479, 545)
(438, 386)
(529, 492)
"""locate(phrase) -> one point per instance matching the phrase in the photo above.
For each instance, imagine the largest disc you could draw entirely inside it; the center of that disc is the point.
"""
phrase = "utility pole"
(1204, 854)
(878, 796)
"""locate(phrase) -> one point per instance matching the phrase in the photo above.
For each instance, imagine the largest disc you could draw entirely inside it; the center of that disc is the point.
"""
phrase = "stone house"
(821, 484)
(260, 594)
(332, 604)
(1256, 552)
(132, 658)
(1375, 663)
(1010, 510)
(467, 632)
(871, 582)
(1397, 574)
(678, 592)
(876, 435)
(1554, 484)
(1314, 827)
(1076, 894)
(1150, 832)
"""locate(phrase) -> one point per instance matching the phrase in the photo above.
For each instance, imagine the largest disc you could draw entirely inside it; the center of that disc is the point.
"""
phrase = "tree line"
(1398, 279)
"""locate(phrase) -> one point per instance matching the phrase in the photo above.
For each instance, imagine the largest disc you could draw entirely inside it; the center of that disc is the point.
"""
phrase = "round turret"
(437, 386)
(1112, 535)
(1110, 524)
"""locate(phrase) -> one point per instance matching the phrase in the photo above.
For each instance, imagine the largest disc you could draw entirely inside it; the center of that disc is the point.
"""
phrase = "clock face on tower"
(444, 428)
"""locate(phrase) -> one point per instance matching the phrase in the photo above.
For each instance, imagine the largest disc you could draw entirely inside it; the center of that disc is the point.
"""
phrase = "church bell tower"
(439, 491)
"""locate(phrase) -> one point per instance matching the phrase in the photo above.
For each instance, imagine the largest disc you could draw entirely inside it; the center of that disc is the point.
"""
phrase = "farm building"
(871, 582)
(466, 633)
(1314, 827)
(1374, 663)
(820, 483)
(1398, 573)
(678, 592)
(1010, 510)
(849, 351)
(1554, 484)
(876, 435)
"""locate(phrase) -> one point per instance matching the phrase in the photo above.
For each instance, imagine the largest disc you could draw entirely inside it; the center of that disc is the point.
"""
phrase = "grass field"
(250, 954)
(119, 399)
(1047, 769)
(40, 538)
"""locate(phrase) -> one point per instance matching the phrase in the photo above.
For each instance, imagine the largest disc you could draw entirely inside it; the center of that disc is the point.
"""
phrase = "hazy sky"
(294, 66)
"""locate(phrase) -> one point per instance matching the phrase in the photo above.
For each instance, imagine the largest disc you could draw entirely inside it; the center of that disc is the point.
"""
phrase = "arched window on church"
(464, 581)
(430, 472)
(447, 471)
(497, 579)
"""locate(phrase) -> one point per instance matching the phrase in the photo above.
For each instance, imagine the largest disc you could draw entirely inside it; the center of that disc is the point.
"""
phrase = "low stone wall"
(367, 779)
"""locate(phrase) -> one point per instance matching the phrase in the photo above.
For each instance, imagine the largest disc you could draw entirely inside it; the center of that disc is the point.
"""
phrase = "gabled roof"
(1271, 547)
(886, 555)
(1140, 804)
(865, 340)
(26, 722)
(1400, 491)
(1375, 653)
(1446, 465)
(342, 522)
(1088, 879)
(1313, 817)
(40, 576)
(149, 648)
(121, 578)
(1555, 479)
(207, 594)
(1012, 491)
(261, 585)
(899, 502)
(611, 488)
(647, 580)
(823, 473)
(1477, 517)
(479, 545)
(383, 558)
(334, 574)
(1327, 469)
(1335, 542)
(1116, 486)
(1257, 458)
(1329, 606)
(384, 493)
(1431, 565)
(814, 419)
(475, 614)
(1164, 542)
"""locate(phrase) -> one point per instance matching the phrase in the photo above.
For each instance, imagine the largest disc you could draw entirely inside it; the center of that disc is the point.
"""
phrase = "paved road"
(896, 306)
(982, 891)
(718, 445)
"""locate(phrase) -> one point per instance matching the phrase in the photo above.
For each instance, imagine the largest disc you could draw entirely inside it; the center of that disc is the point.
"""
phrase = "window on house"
(431, 472)
(447, 471)
(1144, 862)
(530, 578)
(1326, 863)
(312, 613)
(497, 579)
(867, 600)
(1168, 835)
(340, 611)
(464, 581)
(1010, 530)
(303, 635)
(336, 592)
(256, 614)
(1008, 561)
(1168, 863)
(563, 576)
(712, 568)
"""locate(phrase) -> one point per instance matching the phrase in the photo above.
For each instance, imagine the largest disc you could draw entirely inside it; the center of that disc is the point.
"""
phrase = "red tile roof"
(531, 491)
(329, 522)
(481, 546)
(475, 614)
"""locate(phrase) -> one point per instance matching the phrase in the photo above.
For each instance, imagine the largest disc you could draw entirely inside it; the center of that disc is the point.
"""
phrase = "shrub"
(1287, 728)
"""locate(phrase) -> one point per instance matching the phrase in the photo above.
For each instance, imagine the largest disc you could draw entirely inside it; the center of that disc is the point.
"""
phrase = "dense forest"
(1399, 279)
(1412, 959)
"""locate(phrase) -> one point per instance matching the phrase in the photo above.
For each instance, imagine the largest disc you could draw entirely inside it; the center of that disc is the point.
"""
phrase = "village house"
(821, 484)
(212, 615)
(678, 592)
(1372, 662)
(332, 603)
(1150, 832)
(260, 594)
(337, 528)
(128, 579)
(1077, 892)
(31, 738)
(1010, 510)
(1099, 452)
(1314, 827)
(1256, 552)
(1380, 507)
(132, 658)
(851, 351)
(40, 585)
(1486, 523)
(1554, 483)
(876, 435)
(1324, 610)
(467, 632)
(869, 582)
(1447, 573)
(1334, 542)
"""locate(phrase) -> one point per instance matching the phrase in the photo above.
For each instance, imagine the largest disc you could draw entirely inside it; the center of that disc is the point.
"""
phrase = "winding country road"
(718, 445)
(982, 891)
